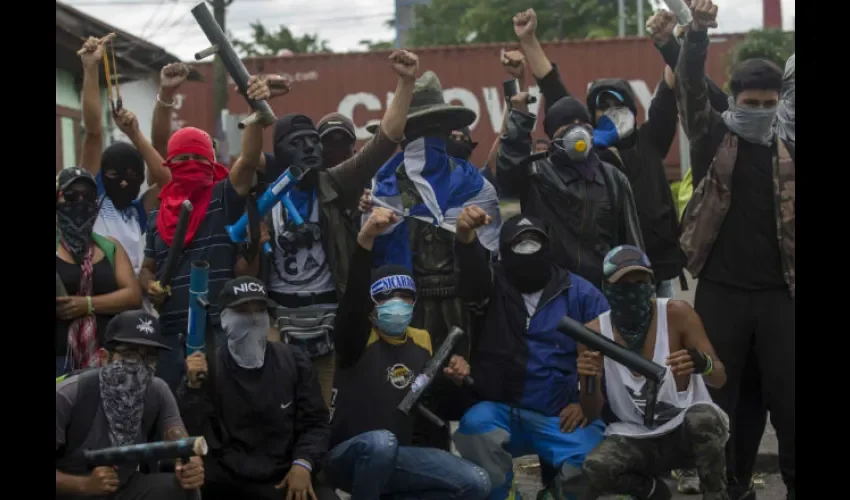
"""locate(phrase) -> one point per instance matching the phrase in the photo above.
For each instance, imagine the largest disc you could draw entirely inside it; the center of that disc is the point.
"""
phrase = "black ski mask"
(297, 142)
(123, 171)
(525, 253)
(461, 146)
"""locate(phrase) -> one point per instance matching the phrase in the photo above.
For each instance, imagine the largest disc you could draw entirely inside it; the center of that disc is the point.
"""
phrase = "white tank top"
(626, 393)
(124, 226)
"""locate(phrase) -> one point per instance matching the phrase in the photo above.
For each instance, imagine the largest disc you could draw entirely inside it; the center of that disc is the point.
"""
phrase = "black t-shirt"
(103, 282)
(210, 243)
(746, 252)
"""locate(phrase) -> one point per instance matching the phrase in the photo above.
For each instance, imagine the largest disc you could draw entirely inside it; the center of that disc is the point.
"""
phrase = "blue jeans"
(372, 466)
(491, 434)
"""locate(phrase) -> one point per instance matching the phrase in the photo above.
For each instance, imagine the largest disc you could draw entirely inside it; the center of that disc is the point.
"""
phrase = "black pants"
(220, 484)
(753, 333)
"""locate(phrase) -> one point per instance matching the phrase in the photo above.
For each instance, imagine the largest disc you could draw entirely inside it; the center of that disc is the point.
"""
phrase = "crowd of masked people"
(312, 346)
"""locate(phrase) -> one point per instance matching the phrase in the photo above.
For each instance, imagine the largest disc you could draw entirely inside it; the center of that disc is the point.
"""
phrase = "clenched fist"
(405, 64)
(469, 220)
(195, 365)
(92, 51)
(258, 89)
(365, 203)
(173, 75)
(589, 364)
(101, 481)
(379, 220)
(705, 14)
(525, 25)
(519, 101)
(661, 26)
(278, 85)
(514, 63)
(127, 122)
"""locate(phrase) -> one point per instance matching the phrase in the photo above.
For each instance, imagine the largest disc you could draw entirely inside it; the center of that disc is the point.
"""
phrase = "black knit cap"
(291, 123)
(564, 111)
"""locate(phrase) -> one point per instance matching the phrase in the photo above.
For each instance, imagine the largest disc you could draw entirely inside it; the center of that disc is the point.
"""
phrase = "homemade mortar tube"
(147, 452)
(175, 253)
(423, 380)
(220, 45)
(654, 373)
(199, 279)
(277, 192)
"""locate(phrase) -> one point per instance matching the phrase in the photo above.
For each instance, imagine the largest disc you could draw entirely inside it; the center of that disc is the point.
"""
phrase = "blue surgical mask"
(394, 316)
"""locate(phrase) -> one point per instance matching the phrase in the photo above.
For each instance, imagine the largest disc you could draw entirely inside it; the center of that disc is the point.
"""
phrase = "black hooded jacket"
(641, 157)
(586, 217)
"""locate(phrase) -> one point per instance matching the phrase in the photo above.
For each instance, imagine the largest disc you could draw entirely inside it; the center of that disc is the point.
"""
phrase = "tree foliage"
(457, 22)
(269, 43)
(371, 45)
(772, 44)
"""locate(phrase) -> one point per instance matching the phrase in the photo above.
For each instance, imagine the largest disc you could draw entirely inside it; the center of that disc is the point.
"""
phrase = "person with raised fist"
(379, 355)
(738, 234)
(524, 369)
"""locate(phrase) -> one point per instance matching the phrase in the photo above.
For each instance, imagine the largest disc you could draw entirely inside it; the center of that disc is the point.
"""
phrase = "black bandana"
(460, 148)
(122, 163)
(631, 310)
(123, 384)
(75, 222)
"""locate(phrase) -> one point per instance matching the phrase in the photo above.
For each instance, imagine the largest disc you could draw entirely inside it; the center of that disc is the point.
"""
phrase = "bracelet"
(166, 104)
(709, 365)
(91, 307)
(303, 463)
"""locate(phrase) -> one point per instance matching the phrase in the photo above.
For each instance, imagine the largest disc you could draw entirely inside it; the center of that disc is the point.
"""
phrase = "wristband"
(91, 307)
(710, 368)
(303, 463)
(163, 103)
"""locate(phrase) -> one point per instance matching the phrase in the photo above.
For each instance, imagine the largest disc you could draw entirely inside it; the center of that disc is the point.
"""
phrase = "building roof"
(136, 58)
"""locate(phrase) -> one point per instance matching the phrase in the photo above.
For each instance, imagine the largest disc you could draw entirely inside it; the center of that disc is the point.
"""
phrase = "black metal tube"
(429, 373)
(147, 452)
(230, 60)
(175, 253)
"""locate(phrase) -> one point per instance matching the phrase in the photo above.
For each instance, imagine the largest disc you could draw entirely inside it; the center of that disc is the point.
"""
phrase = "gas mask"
(575, 144)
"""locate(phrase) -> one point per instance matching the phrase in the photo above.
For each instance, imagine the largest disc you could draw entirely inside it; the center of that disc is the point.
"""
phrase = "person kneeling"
(119, 404)
(524, 368)
(260, 409)
(378, 358)
(688, 429)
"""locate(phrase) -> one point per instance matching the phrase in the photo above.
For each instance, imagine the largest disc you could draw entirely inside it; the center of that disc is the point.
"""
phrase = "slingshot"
(110, 72)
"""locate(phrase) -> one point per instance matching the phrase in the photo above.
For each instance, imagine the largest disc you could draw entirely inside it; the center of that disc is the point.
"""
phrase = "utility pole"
(640, 21)
(621, 18)
(219, 73)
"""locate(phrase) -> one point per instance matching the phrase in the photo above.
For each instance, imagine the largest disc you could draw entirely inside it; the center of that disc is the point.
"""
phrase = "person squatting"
(379, 253)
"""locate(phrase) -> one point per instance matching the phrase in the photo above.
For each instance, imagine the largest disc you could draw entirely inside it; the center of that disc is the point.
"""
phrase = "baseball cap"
(336, 122)
(135, 328)
(241, 290)
(390, 278)
(613, 93)
(69, 175)
(625, 259)
(519, 224)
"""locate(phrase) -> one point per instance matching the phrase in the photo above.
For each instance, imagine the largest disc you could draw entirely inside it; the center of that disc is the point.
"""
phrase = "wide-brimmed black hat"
(430, 114)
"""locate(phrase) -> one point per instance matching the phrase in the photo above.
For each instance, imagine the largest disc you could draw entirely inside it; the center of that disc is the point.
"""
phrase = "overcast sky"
(344, 23)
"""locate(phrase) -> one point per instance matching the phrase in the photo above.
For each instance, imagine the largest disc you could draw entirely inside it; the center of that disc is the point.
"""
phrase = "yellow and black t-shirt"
(374, 371)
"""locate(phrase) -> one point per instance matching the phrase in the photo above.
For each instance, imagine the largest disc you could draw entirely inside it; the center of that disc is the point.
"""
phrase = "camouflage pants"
(628, 466)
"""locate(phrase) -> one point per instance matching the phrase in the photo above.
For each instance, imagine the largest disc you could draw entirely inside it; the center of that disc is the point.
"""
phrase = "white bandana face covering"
(247, 335)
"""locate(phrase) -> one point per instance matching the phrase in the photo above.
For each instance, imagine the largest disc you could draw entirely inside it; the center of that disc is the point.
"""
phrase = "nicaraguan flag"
(444, 192)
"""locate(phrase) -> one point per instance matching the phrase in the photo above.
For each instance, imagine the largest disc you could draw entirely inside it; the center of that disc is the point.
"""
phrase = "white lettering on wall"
(494, 104)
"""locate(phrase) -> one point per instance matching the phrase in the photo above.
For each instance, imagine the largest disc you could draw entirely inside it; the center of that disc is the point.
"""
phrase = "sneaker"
(687, 481)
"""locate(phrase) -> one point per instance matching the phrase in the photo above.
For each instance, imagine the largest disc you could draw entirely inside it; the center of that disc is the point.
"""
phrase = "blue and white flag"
(444, 192)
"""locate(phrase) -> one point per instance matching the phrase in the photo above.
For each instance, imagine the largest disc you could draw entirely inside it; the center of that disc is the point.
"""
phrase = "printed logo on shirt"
(399, 375)
(664, 412)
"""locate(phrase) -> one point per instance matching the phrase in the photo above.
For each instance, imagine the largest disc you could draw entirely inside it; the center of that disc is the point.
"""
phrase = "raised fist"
(705, 14)
(258, 89)
(470, 219)
(514, 63)
(127, 122)
(379, 220)
(405, 64)
(661, 26)
(173, 75)
(365, 203)
(525, 24)
(92, 51)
